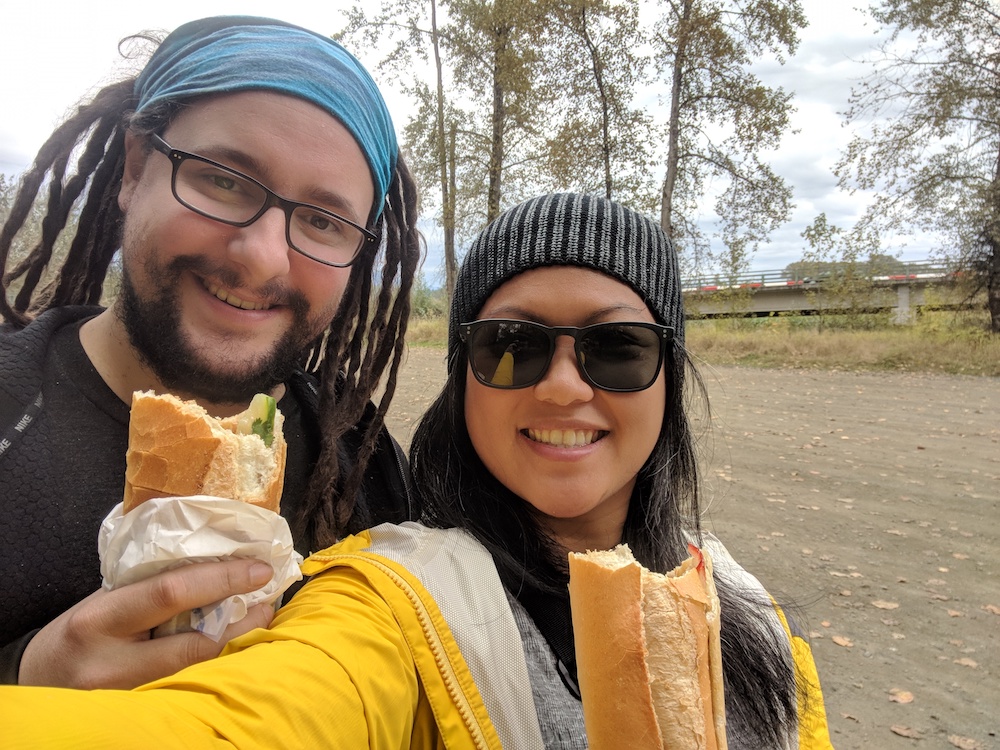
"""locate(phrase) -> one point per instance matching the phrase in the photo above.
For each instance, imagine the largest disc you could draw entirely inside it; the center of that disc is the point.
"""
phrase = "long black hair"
(362, 345)
(458, 491)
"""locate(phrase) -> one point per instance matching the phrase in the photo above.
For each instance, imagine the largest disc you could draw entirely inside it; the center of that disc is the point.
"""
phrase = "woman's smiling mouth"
(564, 438)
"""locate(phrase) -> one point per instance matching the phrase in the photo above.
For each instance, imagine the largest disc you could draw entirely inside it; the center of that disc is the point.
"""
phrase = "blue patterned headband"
(240, 53)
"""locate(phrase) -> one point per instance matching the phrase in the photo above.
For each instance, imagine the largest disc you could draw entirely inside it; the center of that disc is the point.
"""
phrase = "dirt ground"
(870, 501)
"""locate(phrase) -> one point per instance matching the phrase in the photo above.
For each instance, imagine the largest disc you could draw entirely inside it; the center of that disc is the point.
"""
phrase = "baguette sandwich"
(176, 449)
(649, 660)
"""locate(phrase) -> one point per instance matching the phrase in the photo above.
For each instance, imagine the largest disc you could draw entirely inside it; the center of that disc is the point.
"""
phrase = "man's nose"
(262, 247)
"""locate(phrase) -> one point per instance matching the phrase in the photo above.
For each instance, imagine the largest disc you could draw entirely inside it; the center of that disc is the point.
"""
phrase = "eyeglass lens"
(221, 194)
(612, 356)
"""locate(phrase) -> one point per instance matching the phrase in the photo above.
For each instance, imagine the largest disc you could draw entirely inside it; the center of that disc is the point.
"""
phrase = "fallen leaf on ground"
(967, 662)
(900, 696)
(905, 731)
(965, 743)
(885, 605)
(842, 641)
(992, 608)
(955, 613)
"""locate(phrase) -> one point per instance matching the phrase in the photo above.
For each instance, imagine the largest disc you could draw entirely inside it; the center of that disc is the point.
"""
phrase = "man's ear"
(136, 153)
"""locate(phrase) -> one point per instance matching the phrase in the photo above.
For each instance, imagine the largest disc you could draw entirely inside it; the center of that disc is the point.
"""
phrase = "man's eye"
(225, 182)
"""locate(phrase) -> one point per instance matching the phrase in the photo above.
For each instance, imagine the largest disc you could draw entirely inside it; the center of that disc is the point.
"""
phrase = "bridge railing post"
(903, 315)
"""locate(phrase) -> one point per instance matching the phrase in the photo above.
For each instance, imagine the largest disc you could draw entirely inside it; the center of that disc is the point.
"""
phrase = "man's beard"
(153, 325)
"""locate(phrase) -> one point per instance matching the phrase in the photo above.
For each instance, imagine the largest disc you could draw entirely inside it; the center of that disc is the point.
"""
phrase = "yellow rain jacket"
(377, 656)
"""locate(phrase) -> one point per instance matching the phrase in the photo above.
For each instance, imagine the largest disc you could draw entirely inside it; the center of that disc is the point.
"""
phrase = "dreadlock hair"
(362, 344)
(98, 129)
(458, 491)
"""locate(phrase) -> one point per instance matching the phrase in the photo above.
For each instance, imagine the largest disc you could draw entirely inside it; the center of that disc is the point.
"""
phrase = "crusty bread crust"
(177, 449)
(714, 619)
(676, 607)
(648, 653)
(606, 603)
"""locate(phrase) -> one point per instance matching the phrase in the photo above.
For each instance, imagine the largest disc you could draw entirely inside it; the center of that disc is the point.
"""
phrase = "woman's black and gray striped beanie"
(576, 230)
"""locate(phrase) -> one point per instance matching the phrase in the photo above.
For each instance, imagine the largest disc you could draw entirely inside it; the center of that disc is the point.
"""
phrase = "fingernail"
(260, 574)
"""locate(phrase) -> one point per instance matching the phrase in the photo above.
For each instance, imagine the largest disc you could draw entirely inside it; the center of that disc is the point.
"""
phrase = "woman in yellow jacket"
(562, 427)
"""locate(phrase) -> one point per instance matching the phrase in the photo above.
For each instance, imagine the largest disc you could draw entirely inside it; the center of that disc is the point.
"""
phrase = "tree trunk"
(450, 260)
(444, 151)
(597, 68)
(674, 128)
(993, 286)
(498, 124)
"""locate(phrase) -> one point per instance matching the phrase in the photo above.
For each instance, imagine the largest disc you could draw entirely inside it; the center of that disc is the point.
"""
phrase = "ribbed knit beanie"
(574, 230)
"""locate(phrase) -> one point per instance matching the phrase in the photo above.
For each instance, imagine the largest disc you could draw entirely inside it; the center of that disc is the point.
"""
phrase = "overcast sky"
(52, 52)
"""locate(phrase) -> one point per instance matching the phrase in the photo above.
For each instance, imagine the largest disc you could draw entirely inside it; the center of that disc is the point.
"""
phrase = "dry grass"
(947, 342)
(427, 331)
(939, 342)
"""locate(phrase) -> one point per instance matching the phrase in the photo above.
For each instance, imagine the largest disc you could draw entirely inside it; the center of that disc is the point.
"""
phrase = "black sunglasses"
(617, 357)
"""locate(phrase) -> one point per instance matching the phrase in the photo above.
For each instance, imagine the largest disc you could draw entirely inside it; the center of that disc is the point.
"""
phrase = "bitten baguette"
(649, 660)
(177, 449)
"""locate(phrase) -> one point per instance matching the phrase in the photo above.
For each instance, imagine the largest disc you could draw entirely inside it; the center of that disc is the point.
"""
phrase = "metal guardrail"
(919, 269)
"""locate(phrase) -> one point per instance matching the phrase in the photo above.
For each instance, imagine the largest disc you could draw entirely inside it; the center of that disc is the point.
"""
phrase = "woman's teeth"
(232, 299)
(565, 438)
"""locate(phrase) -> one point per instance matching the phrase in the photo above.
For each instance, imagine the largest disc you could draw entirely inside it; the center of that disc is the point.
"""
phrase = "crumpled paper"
(165, 533)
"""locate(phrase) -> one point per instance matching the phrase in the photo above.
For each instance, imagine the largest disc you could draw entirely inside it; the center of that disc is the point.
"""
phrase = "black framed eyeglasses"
(618, 357)
(221, 193)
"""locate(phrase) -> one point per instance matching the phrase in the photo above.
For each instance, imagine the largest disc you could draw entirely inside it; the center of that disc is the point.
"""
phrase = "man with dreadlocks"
(221, 297)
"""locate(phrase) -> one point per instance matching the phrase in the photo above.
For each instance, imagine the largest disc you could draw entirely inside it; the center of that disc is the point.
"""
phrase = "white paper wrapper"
(165, 533)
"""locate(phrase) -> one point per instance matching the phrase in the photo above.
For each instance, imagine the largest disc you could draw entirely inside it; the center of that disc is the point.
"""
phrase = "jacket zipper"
(434, 640)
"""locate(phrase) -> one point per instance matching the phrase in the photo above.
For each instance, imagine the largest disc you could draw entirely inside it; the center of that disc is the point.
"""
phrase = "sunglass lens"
(621, 357)
(508, 354)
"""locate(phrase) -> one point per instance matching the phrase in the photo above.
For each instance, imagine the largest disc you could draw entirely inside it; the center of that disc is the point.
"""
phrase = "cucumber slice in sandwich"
(258, 419)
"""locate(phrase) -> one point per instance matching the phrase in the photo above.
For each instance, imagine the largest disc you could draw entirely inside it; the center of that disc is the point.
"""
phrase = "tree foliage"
(845, 278)
(723, 118)
(928, 141)
(538, 95)
(600, 139)
(474, 135)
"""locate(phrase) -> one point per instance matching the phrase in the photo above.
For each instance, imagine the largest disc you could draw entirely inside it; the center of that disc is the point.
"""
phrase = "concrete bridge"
(771, 292)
